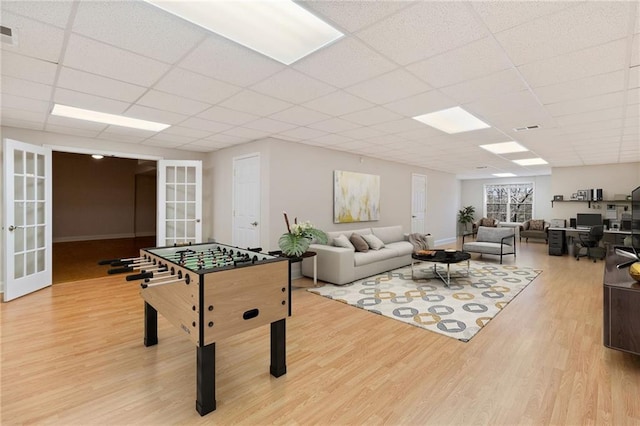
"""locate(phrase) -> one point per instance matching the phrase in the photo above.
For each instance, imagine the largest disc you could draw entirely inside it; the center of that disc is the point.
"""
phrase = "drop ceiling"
(570, 68)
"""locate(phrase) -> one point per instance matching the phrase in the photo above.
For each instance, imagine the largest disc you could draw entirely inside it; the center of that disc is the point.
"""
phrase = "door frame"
(426, 186)
(233, 195)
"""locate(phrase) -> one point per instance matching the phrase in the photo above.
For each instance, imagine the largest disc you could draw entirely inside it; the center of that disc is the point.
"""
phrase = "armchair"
(535, 228)
(485, 221)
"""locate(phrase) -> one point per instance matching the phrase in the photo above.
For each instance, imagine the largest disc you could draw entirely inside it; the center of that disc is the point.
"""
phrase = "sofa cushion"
(359, 243)
(401, 248)
(333, 234)
(373, 256)
(374, 242)
(342, 241)
(389, 234)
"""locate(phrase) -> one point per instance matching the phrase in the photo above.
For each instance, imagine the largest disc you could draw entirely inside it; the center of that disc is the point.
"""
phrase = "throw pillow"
(342, 241)
(536, 225)
(359, 243)
(374, 242)
(486, 222)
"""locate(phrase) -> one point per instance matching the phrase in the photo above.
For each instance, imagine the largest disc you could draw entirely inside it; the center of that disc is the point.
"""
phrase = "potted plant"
(465, 217)
(298, 237)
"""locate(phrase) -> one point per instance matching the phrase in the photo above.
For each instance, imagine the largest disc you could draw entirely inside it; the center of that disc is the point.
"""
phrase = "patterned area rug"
(459, 311)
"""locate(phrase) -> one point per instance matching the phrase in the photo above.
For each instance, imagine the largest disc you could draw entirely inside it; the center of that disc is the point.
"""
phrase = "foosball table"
(210, 292)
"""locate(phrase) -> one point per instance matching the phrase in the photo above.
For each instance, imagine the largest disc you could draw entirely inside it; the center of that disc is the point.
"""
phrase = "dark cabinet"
(621, 306)
(557, 244)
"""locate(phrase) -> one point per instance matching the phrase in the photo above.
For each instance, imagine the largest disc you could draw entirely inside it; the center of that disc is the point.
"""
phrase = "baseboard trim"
(92, 237)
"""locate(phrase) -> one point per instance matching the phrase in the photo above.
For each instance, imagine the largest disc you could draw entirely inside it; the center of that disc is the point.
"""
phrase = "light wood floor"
(73, 354)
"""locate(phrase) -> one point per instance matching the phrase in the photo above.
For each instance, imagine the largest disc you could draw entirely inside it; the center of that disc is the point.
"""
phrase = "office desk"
(561, 239)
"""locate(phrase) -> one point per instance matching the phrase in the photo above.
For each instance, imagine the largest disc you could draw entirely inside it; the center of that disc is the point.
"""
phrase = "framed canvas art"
(356, 197)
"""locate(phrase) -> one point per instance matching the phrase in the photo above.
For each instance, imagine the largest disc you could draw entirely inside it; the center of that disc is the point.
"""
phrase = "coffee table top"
(441, 256)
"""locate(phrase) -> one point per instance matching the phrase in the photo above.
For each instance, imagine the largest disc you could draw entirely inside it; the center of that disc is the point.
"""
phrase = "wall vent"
(7, 35)
(521, 129)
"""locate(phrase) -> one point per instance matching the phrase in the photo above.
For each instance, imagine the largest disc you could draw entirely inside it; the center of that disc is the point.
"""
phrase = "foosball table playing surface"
(210, 292)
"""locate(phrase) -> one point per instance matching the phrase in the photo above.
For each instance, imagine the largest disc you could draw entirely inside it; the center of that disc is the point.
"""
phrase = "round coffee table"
(441, 256)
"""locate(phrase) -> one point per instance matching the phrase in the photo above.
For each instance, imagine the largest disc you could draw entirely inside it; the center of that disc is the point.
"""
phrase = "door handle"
(11, 228)
(254, 224)
(197, 220)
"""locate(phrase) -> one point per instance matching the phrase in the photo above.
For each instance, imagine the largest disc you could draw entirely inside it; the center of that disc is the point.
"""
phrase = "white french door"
(418, 203)
(179, 202)
(246, 201)
(27, 213)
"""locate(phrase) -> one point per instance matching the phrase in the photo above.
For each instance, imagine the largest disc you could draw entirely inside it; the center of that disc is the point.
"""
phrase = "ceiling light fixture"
(530, 161)
(504, 147)
(452, 120)
(101, 117)
(504, 174)
(281, 30)
(97, 156)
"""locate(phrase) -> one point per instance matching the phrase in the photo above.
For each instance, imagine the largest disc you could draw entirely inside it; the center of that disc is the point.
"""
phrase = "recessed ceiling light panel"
(452, 120)
(504, 174)
(281, 30)
(530, 161)
(101, 117)
(504, 147)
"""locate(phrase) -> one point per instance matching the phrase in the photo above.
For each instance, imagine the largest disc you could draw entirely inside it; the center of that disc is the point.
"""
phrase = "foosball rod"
(145, 285)
(110, 261)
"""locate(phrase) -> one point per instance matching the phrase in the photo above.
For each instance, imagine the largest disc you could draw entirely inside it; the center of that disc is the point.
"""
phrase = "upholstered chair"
(485, 221)
(535, 228)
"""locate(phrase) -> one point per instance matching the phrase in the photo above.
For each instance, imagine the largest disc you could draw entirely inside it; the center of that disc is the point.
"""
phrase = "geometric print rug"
(459, 311)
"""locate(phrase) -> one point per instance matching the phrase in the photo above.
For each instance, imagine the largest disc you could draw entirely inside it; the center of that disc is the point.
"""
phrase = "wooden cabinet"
(621, 306)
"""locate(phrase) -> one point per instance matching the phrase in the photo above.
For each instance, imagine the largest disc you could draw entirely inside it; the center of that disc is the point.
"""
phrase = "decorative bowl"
(449, 252)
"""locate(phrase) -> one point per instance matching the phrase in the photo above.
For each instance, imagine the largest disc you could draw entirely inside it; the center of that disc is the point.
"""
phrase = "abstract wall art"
(356, 197)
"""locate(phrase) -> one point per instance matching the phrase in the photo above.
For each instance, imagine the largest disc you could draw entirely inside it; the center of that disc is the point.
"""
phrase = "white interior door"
(27, 213)
(179, 202)
(418, 203)
(246, 201)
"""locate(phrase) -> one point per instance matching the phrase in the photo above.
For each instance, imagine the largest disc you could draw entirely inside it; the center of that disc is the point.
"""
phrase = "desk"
(561, 239)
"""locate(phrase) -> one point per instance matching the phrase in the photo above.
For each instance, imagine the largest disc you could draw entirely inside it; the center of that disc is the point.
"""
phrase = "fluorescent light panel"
(530, 161)
(281, 30)
(504, 147)
(101, 117)
(452, 120)
(504, 174)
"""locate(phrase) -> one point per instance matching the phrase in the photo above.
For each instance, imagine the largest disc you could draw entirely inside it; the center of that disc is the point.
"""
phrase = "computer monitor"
(587, 220)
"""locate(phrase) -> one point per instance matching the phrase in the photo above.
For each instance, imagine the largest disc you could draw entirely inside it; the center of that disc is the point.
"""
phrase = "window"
(509, 202)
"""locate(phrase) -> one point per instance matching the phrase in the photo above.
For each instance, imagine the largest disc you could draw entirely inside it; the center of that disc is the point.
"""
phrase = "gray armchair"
(535, 228)
(490, 223)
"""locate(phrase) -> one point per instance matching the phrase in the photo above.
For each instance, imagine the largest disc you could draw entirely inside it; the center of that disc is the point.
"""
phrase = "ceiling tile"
(268, 125)
(22, 115)
(362, 133)
(153, 114)
(98, 58)
(299, 115)
(423, 30)
(333, 125)
(582, 88)
(501, 15)
(195, 86)
(398, 126)
(205, 125)
(594, 103)
(329, 140)
(474, 60)
(80, 81)
(26, 68)
(573, 66)
(25, 104)
(28, 89)
(142, 28)
(241, 66)
(173, 103)
(74, 131)
(389, 87)
(338, 103)
(86, 101)
(292, 86)
(303, 133)
(371, 116)
(591, 117)
(506, 81)
(585, 25)
(352, 15)
(51, 12)
(255, 103)
(351, 62)
(225, 115)
(423, 103)
(34, 39)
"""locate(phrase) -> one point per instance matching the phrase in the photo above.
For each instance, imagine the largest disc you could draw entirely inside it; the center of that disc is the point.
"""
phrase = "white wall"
(298, 179)
(611, 178)
(473, 194)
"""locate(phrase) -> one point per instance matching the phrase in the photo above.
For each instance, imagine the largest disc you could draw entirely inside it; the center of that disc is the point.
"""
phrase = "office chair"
(589, 244)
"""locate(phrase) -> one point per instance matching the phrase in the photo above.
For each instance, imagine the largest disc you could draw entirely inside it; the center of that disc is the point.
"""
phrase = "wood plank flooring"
(73, 354)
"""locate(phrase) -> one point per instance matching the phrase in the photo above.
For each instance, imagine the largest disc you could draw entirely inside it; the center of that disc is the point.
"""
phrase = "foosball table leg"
(278, 348)
(150, 325)
(206, 379)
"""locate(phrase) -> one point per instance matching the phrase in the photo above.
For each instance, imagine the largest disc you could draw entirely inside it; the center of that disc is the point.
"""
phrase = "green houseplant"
(298, 237)
(465, 216)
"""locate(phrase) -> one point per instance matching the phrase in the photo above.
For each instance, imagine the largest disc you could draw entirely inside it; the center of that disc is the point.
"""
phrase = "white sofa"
(338, 265)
